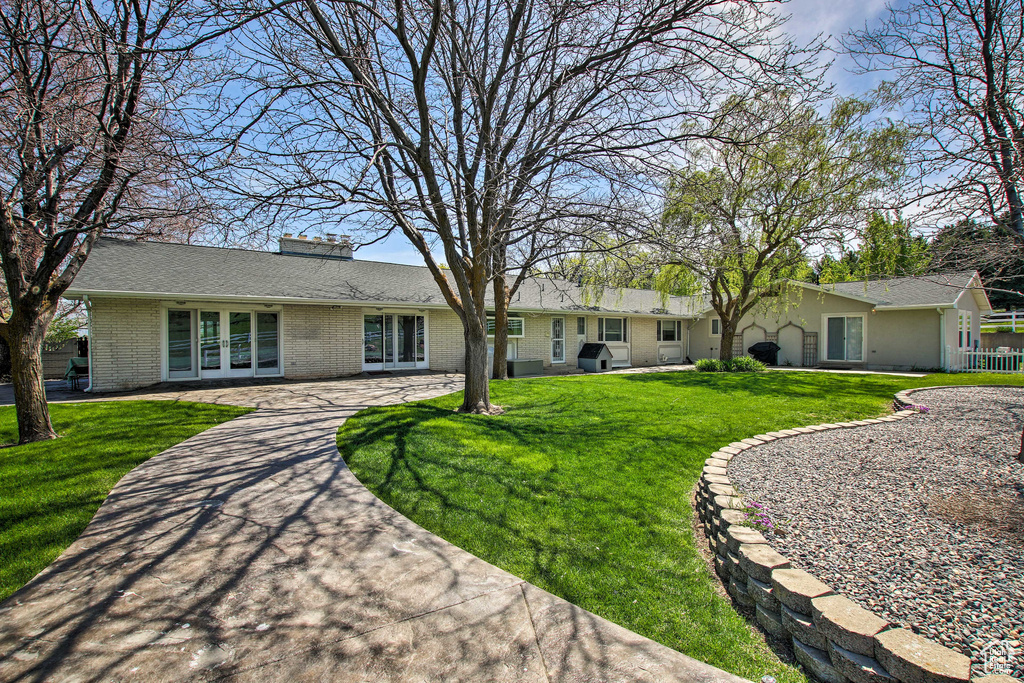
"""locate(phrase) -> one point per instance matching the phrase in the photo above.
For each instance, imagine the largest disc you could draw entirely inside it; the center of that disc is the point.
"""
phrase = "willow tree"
(481, 130)
(745, 215)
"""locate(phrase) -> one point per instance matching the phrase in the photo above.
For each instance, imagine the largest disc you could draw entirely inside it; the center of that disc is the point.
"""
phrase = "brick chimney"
(330, 246)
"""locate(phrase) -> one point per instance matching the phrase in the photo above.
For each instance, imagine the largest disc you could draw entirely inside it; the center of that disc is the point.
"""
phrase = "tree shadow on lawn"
(779, 382)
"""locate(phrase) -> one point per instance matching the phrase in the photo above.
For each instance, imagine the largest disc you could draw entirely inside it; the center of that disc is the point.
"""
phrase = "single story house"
(889, 324)
(174, 312)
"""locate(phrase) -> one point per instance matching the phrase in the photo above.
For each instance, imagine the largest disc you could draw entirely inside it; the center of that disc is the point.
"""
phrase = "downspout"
(88, 317)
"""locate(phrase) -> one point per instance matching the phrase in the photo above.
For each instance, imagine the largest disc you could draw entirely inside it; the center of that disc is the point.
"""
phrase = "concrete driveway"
(251, 552)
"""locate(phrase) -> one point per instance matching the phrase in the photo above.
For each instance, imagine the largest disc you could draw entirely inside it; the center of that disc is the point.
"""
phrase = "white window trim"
(823, 348)
(601, 329)
(196, 307)
(677, 329)
(420, 365)
(711, 326)
(562, 360)
(964, 320)
(511, 318)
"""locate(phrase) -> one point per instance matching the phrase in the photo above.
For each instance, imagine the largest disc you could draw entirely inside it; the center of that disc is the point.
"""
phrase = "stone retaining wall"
(836, 640)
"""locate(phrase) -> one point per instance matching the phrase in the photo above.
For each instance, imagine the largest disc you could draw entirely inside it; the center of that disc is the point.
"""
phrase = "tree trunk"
(477, 393)
(500, 328)
(26, 346)
(728, 335)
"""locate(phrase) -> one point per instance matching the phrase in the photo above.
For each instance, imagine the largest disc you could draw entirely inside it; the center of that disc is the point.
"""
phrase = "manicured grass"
(50, 490)
(582, 487)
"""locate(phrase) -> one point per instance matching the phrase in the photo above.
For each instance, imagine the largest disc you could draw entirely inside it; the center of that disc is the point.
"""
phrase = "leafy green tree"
(780, 181)
(888, 248)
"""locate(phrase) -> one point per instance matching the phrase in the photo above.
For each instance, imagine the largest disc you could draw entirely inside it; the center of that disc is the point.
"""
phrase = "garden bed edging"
(835, 640)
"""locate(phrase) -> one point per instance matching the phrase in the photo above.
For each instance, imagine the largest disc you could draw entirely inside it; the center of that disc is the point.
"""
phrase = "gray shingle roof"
(167, 270)
(923, 290)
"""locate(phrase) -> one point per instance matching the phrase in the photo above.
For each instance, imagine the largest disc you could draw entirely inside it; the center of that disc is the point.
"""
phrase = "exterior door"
(394, 340)
(225, 344)
(558, 340)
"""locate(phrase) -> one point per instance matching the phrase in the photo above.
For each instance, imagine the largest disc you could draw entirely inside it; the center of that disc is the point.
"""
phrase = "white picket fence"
(1012, 319)
(1002, 360)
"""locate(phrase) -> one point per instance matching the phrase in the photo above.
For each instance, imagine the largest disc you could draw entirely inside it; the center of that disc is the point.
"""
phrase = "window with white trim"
(844, 337)
(516, 327)
(964, 329)
(670, 330)
(716, 327)
(611, 330)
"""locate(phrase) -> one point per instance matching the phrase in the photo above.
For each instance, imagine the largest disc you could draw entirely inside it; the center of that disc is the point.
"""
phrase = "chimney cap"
(302, 237)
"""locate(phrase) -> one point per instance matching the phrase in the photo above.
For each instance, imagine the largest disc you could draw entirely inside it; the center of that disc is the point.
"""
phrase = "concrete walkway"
(251, 552)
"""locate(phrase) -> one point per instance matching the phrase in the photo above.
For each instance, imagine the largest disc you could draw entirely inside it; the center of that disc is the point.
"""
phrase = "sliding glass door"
(394, 340)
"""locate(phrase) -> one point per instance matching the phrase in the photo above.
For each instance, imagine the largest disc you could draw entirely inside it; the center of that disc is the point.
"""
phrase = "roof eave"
(163, 296)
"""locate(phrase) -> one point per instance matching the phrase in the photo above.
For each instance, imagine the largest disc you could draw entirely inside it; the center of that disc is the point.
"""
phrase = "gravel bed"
(920, 521)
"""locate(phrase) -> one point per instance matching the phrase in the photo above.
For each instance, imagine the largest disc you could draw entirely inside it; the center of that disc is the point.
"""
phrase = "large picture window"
(670, 330)
(844, 338)
(516, 327)
(611, 330)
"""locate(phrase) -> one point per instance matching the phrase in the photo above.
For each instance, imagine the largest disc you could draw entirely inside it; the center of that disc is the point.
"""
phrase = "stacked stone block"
(833, 638)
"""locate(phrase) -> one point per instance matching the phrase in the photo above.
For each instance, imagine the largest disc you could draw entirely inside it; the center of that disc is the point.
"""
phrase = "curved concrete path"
(251, 552)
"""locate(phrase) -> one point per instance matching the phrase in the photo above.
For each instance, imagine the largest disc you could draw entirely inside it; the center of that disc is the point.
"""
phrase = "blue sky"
(808, 19)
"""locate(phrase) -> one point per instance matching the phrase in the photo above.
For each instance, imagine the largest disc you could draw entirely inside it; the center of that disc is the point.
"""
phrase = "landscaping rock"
(914, 659)
(721, 490)
(801, 626)
(858, 668)
(729, 517)
(762, 594)
(759, 560)
(795, 589)
(902, 516)
(770, 621)
(738, 590)
(816, 661)
(846, 624)
(738, 535)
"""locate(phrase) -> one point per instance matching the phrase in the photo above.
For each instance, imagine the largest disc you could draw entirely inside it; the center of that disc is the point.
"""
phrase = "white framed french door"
(394, 340)
(558, 339)
(225, 343)
(212, 343)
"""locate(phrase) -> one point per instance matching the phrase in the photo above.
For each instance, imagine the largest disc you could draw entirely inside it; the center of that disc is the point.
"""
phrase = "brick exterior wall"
(445, 341)
(322, 341)
(125, 344)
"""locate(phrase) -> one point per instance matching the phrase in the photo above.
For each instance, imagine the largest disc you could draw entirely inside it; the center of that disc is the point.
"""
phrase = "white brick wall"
(445, 341)
(322, 341)
(318, 341)
(125, 344)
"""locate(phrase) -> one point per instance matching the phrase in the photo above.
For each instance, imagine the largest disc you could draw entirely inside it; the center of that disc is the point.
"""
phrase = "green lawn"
(582, 486)
(50, 490)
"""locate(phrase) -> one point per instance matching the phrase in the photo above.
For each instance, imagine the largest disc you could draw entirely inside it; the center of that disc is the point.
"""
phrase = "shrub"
(711, 365)
(746, 364)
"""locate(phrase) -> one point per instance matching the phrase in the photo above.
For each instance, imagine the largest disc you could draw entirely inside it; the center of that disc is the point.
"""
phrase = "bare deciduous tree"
(956, 68)
(88, 148)
(482, 129)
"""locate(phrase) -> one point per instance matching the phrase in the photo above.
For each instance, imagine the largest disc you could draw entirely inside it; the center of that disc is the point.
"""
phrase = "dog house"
(594, 357)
